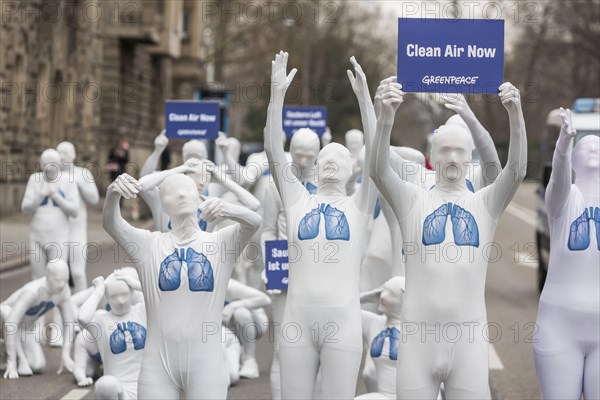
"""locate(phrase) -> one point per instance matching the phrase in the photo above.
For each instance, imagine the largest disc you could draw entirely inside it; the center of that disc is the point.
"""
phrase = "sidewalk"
(14, 235)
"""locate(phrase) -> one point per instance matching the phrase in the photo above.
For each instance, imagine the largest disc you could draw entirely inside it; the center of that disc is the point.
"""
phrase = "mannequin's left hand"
(510, 96)
(212, 208)
(358, 82)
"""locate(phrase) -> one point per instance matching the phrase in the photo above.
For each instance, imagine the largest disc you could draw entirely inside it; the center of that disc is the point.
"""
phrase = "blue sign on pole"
(295, 118)
(191, 119)
(276, 264)
(450, 55)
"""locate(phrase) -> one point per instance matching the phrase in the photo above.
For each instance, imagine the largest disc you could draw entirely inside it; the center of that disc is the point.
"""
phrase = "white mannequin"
(440, 290)
(201, 172)
(304, 149)
(480, 173)
(566, 346)
(244, 315)
(354, 140)
(322, 291)
(118, 337)
(24, 307)
(184, 315)
(232, 352)
(192, 148)
(88, 194)
(389, 300)
(51, 200)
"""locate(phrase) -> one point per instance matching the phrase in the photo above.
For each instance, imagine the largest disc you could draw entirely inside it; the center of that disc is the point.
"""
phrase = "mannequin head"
(57, 275)
(304, 147)
(585, 158)
(334, 164)
(390, 299)
(194, 148)
(235, 148)
(457, 120)
(179, 196)
(51, 164)
(201, 178)
(354, 141)
(118, 293)
(66, 151)
(410, 154)
(326, 137)
(451, 151)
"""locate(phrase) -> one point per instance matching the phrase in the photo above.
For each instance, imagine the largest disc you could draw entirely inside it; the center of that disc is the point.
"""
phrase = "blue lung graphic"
(201, 223)
(597, 222)
(169, 276)
(434, 227)
(464, 226)
(377, 210)
(579, 233)
(336, 224)
(45, 200)
(377, 345)
(117, 341)
(312, 189)
(200, 272)
(309, 225)
(138, 334)
(266, 172)
(40, 309)
(96, 357)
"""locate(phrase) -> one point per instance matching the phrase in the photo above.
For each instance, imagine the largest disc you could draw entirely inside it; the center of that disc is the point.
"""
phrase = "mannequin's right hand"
(87, 381)
(391, 97)
(161, 141)
(191, 165)
(125, 185)
(280, 79)
(382, 85)
(98, 282)
(222, 141)
(567, 125)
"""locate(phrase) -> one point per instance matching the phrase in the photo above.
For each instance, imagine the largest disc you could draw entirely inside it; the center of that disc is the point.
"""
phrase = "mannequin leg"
(339, 371)
(206, 381)
(108, 388)
(77, 260)
(23, 367)
(469, 373)
(35, 354)
(277, 307)
(299, 366)
(369, 373)
(591, 385)
(37, 259)
(560, 375)
(233, 351)
(419, 368)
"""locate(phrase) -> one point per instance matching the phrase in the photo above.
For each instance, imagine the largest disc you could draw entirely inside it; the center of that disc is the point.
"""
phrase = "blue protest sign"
(450, 55)
(295, 118)
(276, 264)
(191, 119)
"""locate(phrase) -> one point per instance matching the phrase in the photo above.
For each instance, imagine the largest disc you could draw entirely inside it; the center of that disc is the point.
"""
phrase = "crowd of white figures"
(368, 224)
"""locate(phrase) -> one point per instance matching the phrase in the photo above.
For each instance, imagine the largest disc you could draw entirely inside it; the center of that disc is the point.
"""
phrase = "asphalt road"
(511, 298)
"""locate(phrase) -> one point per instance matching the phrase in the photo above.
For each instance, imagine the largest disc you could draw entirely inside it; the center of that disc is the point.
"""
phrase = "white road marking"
(76, 394)
(495, 362)
(524, 214)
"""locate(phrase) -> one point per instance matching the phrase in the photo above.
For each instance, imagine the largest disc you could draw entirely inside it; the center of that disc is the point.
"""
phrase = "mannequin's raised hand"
(391, 98)
(280, 79)
(382, 85)
(567, 126)
(161, 141)
(457, 103)
(222, 142)
(358, 80)
(125, 185)
(510, 97)
(212, 208)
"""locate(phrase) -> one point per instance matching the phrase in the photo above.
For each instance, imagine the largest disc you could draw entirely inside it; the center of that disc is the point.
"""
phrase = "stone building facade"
(90, 72)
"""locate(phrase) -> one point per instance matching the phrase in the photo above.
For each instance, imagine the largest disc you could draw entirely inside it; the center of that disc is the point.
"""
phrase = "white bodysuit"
(184, 286)
(49, 231)
(120, 344)
(566, 345)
